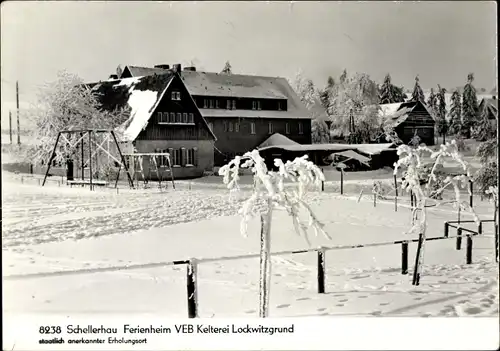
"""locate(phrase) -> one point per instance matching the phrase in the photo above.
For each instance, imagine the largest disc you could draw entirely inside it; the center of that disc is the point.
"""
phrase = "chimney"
(192, 69)
(113, 76)
(177, 67)
(162, 66)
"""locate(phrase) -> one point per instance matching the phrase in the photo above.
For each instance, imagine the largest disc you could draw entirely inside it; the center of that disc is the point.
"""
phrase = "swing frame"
(90, 133)
(137, 159)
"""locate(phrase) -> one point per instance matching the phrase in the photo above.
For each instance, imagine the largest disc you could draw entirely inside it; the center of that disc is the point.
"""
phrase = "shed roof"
(277, 139)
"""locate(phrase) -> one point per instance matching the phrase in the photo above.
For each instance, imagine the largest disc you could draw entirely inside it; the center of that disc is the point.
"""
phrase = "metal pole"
(468, 258)
(90, 159)
(82, 161)
(131, 182)
(10, 126)
(458, 245)
(18, 124)
(341, 181)
(52, 155)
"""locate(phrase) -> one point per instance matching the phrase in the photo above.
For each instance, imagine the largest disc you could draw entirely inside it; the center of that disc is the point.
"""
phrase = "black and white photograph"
(251, 160)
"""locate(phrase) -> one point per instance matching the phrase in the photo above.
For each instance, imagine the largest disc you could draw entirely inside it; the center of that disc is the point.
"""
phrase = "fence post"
(468, 255)
(404, 257)
(321, 270)
(471, 195)
(342, 181)
(446, 229)
(480, 228)
(396, 198)
(496, 242)
(459, 239)
(191, 289)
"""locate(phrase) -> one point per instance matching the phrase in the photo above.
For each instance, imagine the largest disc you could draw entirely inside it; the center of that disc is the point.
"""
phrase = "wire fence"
(193, 263)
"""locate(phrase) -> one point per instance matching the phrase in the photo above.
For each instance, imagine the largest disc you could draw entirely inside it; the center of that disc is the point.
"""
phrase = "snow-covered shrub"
(382, 189)
(411, 159)
(269, 187)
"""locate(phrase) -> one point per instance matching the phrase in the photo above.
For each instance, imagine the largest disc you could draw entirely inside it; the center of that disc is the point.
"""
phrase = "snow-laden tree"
(442, 124)
(483, 129)
(469, 106)
(390, 93)
(411, 161)
(418, 94)
(326, 94)
(354, 108)
(456, 113)
(386, 91)
(487, 153)
(270, 193)
(311, 98)
(432, 102)
(227, 68)
(66, 104)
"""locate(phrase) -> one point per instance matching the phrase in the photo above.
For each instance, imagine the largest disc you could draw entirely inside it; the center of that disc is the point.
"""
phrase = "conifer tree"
(469, 106)
(442, 124)
(418, 94)
(386, 91)
(456, 113)
(432, 103)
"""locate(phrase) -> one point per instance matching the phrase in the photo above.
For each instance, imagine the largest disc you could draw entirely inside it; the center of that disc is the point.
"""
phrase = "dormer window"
(228, 105)
(205, 103)
(280, 106)
(234, 104)
(217, 103)
(254, 105)
(258, 106)
(211, 103)
(176, 95)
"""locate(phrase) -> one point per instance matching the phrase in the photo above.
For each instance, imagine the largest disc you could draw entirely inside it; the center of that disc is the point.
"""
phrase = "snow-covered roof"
(213, 84)
(141, 94)
(397, 113)
(277, 139)
(367, 149)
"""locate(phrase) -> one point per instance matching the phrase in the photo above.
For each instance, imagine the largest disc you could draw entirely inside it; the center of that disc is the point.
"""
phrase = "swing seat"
(87, 182)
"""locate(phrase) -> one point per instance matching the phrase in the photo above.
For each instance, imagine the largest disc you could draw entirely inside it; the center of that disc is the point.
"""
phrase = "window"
(228, 105)
(234, 104)
(179, 118)
(254, 105)
(287, 128)
(270, 127)
(225, 126)
(162, 117)
(190, 157)
(205, 103)
(258, 105)
(184, 117)
(236, 127)
(176, 95)
(191, 118)
(216, 103)
(301, 128)
(172, 117)
(252, 128)
(176, 157)
(211, 126)
(211, 103)
(280, 106)
(230, 126)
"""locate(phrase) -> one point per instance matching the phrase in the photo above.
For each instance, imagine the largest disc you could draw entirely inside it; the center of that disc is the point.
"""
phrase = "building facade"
(241, 110)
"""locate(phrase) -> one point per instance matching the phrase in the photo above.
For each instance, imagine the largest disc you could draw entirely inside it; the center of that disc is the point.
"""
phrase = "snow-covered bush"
(411, 158)
(269, 187)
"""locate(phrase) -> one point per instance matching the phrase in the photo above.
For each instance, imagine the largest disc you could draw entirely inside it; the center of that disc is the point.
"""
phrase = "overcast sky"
(440, 41)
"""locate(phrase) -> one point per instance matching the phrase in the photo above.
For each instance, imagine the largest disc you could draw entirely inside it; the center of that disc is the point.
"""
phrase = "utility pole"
(18, 125)
(10, 126)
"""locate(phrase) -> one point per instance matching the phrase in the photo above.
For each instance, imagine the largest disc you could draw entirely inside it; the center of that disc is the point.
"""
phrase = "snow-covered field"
(55, 228)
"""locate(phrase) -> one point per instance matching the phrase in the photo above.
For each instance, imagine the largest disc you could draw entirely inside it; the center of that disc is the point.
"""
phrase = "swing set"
(138, 166)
